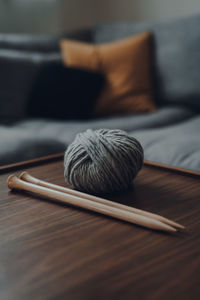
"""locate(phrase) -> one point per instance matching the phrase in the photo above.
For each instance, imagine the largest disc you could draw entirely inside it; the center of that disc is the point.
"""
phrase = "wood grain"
(49, 251)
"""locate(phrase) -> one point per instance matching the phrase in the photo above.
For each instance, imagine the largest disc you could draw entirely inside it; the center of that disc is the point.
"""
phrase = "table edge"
(58, 156)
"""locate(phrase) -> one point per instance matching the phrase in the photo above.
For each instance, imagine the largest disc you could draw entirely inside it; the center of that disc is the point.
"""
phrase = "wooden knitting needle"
(13, 182)
(27, 177)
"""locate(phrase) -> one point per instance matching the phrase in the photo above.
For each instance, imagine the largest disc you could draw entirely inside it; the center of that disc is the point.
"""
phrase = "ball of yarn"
(102, 161)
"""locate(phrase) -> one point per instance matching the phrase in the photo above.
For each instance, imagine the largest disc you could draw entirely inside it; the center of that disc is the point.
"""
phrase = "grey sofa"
(171, 135)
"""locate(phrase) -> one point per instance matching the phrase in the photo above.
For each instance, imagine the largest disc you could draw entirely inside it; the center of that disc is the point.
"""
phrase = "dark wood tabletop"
(50, 251)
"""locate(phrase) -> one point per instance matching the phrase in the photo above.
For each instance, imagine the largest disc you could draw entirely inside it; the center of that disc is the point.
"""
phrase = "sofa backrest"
(40, 43)
(18, 72)
(176, 56)
(22, 59)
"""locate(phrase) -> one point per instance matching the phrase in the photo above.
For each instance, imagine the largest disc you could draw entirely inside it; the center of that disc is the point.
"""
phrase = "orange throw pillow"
(126, 66)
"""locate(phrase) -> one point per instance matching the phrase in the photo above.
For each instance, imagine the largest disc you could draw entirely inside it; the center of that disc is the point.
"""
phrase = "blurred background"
(55, 16)
(42, 101)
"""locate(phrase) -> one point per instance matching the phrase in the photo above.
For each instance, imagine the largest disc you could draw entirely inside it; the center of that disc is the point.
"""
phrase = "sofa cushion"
(18, 145)
(177, 145)
(177, 56)
(54, 136)
(126, 67)
(65, 131)
(36, 84)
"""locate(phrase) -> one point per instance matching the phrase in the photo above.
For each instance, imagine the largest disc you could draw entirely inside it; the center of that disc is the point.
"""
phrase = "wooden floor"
(49, 251)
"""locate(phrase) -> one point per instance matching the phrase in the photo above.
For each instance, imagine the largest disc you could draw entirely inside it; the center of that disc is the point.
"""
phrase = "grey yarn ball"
(102, 161)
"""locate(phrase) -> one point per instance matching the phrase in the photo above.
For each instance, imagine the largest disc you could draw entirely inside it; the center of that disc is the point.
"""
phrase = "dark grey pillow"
(176, 61)
(38, 85)
(61, 92)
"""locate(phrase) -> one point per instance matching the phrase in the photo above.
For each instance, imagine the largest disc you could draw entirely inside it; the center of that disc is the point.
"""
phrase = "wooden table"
(49, 251)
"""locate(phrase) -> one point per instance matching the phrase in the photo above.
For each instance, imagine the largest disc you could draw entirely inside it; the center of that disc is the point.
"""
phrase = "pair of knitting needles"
(63, 195)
